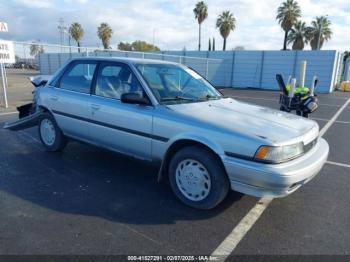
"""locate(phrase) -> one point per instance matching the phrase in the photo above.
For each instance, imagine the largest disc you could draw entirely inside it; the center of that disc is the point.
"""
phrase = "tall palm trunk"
(199, 36)
(285, 40)
(78, 42)
(105, 44)
(224, 47)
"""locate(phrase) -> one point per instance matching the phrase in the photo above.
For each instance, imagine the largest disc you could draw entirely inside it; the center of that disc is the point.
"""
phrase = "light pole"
(154, 35)
(320, 34)
(61, 30)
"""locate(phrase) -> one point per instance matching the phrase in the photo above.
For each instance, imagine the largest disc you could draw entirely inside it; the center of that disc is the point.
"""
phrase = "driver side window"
(114, 79)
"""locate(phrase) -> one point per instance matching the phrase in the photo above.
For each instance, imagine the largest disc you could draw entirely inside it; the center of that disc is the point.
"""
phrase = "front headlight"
(278, 154)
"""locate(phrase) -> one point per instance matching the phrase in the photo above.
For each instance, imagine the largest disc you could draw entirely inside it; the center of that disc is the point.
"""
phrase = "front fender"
(183, 138)
(205, 140)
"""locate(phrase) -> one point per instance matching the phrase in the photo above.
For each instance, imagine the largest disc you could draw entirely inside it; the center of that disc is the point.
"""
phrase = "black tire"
(218, 178)
(59, 142)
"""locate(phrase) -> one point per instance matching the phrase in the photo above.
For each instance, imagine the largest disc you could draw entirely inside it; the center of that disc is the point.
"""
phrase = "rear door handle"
(95, 107)
(54, 98)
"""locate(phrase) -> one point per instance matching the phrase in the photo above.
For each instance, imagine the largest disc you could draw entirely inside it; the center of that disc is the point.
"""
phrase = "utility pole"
(61, 31)
(320, 35)
(319, 38)
(154, 34)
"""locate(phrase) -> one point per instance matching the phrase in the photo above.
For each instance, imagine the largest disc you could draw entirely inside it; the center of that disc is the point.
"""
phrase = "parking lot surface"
(87, 200)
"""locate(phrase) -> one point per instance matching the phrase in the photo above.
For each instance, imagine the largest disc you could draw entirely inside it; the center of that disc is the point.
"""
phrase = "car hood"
(244, 118)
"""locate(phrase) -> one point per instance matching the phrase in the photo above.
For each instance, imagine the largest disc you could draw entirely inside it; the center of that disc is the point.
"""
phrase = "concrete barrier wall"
(240, 69)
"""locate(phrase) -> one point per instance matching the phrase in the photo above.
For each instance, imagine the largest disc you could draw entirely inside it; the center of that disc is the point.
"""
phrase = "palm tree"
(77, 32)
(299, 35)
(201, 13)
(36, 49)
(105, 32)
(287, 15)
(226, 22)
(320, 31)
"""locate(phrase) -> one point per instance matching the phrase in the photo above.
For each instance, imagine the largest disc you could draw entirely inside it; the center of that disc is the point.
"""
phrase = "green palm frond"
(77, 32)
(105, 33)
(226, 22)
(320, 27)
(299, 35)
(288, 14)
(200, 11)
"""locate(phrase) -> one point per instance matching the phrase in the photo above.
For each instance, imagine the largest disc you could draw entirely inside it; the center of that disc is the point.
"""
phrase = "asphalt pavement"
(87, 200)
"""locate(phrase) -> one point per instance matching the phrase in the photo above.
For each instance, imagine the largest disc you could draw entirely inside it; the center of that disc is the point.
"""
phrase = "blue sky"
(172, 21)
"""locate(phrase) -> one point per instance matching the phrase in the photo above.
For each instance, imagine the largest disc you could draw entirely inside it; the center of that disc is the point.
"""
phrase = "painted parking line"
(29, 136)
(334, 118)
(237, 234)
(232, 240)
(271, 99)
(337, 164)
(8, 113)
(323, 119)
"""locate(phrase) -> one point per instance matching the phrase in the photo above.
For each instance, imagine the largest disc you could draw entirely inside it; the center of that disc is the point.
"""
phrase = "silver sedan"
(167, 113)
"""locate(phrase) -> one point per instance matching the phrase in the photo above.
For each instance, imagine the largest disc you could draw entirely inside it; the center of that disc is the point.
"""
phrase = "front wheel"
(198, 178)
(50, 134)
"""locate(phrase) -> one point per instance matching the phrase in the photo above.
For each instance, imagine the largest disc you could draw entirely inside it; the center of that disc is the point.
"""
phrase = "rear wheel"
(50, 134)
(198, 178)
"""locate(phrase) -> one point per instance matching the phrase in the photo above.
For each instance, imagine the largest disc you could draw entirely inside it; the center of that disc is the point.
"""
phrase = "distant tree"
(239, 48)
(138, 45)
(320, 28)
(200, 13)
(77, 32)
(287, 15)
(36, 49)
(125, 46)
(209, 45)
(143, 46)
(213, 44)
(346, 56)
(226, 23)
(298, 35)
(105, 33)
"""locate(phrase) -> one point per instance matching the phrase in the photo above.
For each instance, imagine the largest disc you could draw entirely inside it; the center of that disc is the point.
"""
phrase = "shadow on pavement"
(89, 181)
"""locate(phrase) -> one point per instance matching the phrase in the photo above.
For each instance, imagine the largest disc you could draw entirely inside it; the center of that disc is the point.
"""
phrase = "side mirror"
(134, 98)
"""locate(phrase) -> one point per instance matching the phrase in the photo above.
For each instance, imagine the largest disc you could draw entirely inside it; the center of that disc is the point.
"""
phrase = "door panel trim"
(123, 129)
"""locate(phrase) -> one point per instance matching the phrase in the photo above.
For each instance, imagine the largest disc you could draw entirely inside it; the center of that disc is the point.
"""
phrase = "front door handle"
(95, 107)
(54, 98)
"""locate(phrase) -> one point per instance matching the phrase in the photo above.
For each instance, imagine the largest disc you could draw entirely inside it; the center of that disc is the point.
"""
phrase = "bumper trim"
(275, 180)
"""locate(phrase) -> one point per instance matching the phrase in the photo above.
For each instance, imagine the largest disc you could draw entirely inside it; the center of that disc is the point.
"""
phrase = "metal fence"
(257, 69)
(240, 69)
(48, 58)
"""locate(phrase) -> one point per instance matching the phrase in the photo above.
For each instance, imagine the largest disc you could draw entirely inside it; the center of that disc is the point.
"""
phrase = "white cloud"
(36, 3)
(173, 21)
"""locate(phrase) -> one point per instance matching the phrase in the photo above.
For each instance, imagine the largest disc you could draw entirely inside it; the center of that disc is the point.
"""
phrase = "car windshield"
(173, 84)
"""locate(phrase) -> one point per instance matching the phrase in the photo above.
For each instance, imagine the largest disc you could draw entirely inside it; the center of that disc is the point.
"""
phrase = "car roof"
(125, 60)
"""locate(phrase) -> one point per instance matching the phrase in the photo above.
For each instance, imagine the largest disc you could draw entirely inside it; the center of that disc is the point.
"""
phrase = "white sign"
(3, 27)
(7, 52)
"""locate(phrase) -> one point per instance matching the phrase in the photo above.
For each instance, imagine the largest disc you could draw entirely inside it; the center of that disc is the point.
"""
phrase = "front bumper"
(275, 180)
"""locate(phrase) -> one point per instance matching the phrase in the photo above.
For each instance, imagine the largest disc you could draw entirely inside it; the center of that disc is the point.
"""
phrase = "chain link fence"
(47, 58)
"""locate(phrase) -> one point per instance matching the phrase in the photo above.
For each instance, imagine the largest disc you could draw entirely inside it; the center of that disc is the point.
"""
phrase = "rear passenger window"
(113, 80)
(79, 77)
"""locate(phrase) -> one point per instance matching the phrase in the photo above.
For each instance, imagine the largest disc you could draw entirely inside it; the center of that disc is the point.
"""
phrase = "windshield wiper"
(208, 97)
(175, 98)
